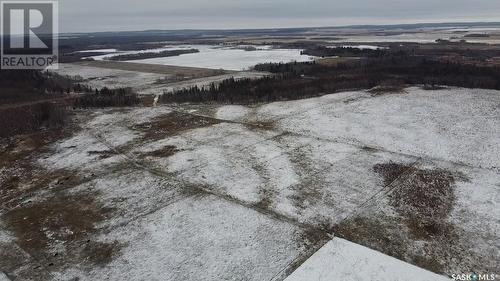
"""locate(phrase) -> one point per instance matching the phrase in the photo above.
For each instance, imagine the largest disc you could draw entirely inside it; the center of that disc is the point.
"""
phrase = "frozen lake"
(217, 57)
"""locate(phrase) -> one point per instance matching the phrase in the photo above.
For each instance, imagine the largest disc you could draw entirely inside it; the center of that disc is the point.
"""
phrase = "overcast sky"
(120, 15)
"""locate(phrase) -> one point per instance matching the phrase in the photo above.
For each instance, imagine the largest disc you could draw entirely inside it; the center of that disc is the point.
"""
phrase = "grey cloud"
(106, 15)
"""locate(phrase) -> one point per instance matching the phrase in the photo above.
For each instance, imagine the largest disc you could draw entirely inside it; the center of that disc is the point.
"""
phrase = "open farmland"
(207, 192)
(235, 58)
(146, 79)
(283, 140)
(302, 154)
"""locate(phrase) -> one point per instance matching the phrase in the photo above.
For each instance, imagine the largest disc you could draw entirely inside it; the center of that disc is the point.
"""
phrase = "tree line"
(25, 109)
(150, 55)
(309, 79)
(322, 51)
(107, 98)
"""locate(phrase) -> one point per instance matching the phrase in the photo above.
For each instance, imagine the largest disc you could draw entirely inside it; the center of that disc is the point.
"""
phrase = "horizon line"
(299, 27)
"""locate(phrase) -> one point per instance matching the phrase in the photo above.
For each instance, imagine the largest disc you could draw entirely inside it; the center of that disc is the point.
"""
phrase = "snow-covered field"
(361, 47)
(218, 57)
(143, 83)
(424, 37)
(250, 193)
(99, 50)
(342, 260)
(99, 77)
(428, 36)
(199, 238)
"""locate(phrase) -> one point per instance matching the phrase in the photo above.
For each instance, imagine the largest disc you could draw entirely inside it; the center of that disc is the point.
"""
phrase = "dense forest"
(302, 80)
(475, 52)
(33, 100)
(31, 85)
(30, 118)
(268, 89)
(322, 51)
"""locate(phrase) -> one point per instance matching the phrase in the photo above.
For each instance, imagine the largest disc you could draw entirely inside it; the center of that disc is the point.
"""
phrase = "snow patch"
(5, 237)
(232, 112)
(3, 277)
(342, 260)
(131, 194)
(75, 153)
(460, 125)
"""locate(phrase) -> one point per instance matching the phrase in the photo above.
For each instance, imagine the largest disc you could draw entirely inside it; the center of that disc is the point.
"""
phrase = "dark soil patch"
(312, 239)
(391, 171)
(11, 183)
(99, 253)
(368, 149)
(61, 218)
(266, 199)
(102, 154)
(424, 198)
(374, 233)
(429, 263)
(172, 124)
(22, 146)
(19, 177)
(58, 233)
(29, 179)
(263, 125)
(165, 152)
(313, 236)
(17, 266)
(387, 233)
(264, 203)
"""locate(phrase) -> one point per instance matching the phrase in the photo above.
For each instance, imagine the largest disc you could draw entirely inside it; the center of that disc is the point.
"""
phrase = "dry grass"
(62, 218)
(173, 124)
(374, 233)
(98, 253)
(262, 125)
(424, 198)
(18, 175)
(418, 231)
